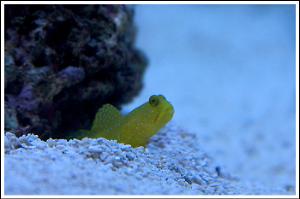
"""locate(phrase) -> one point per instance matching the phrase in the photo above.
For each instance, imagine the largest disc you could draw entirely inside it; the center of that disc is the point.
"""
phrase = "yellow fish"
(137, 127)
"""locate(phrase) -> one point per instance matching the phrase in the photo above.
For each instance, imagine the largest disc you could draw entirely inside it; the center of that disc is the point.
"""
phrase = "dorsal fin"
(106, 118)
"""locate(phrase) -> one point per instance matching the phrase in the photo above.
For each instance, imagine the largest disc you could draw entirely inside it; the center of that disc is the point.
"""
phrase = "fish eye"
(153, 100)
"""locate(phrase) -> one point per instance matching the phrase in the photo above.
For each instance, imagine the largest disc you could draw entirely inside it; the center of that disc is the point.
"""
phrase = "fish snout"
(170, 110)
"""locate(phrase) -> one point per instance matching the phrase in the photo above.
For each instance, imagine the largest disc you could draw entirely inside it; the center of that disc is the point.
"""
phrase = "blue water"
(229, 71)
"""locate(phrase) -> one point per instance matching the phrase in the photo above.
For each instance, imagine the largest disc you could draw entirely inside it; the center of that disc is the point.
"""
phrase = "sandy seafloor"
(229, 71)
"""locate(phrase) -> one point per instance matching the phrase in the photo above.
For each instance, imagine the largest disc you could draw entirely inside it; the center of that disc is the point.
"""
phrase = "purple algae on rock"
(62, 62)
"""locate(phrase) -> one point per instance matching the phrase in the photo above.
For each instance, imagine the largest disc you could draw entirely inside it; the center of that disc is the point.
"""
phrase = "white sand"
(173, 163)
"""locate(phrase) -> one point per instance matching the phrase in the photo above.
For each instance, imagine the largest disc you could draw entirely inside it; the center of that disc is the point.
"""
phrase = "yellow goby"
(135, 128)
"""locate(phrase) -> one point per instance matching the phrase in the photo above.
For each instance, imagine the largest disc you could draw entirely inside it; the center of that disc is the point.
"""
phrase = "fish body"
(135, 128)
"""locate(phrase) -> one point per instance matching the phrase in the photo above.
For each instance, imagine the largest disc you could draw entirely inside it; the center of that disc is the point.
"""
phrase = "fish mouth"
(167, 112)
(170, 110)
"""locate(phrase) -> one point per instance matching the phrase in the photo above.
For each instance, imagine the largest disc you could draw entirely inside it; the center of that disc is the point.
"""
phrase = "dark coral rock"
(62, 62)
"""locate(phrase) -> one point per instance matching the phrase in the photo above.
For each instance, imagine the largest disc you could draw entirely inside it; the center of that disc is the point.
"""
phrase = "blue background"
(229, 71)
